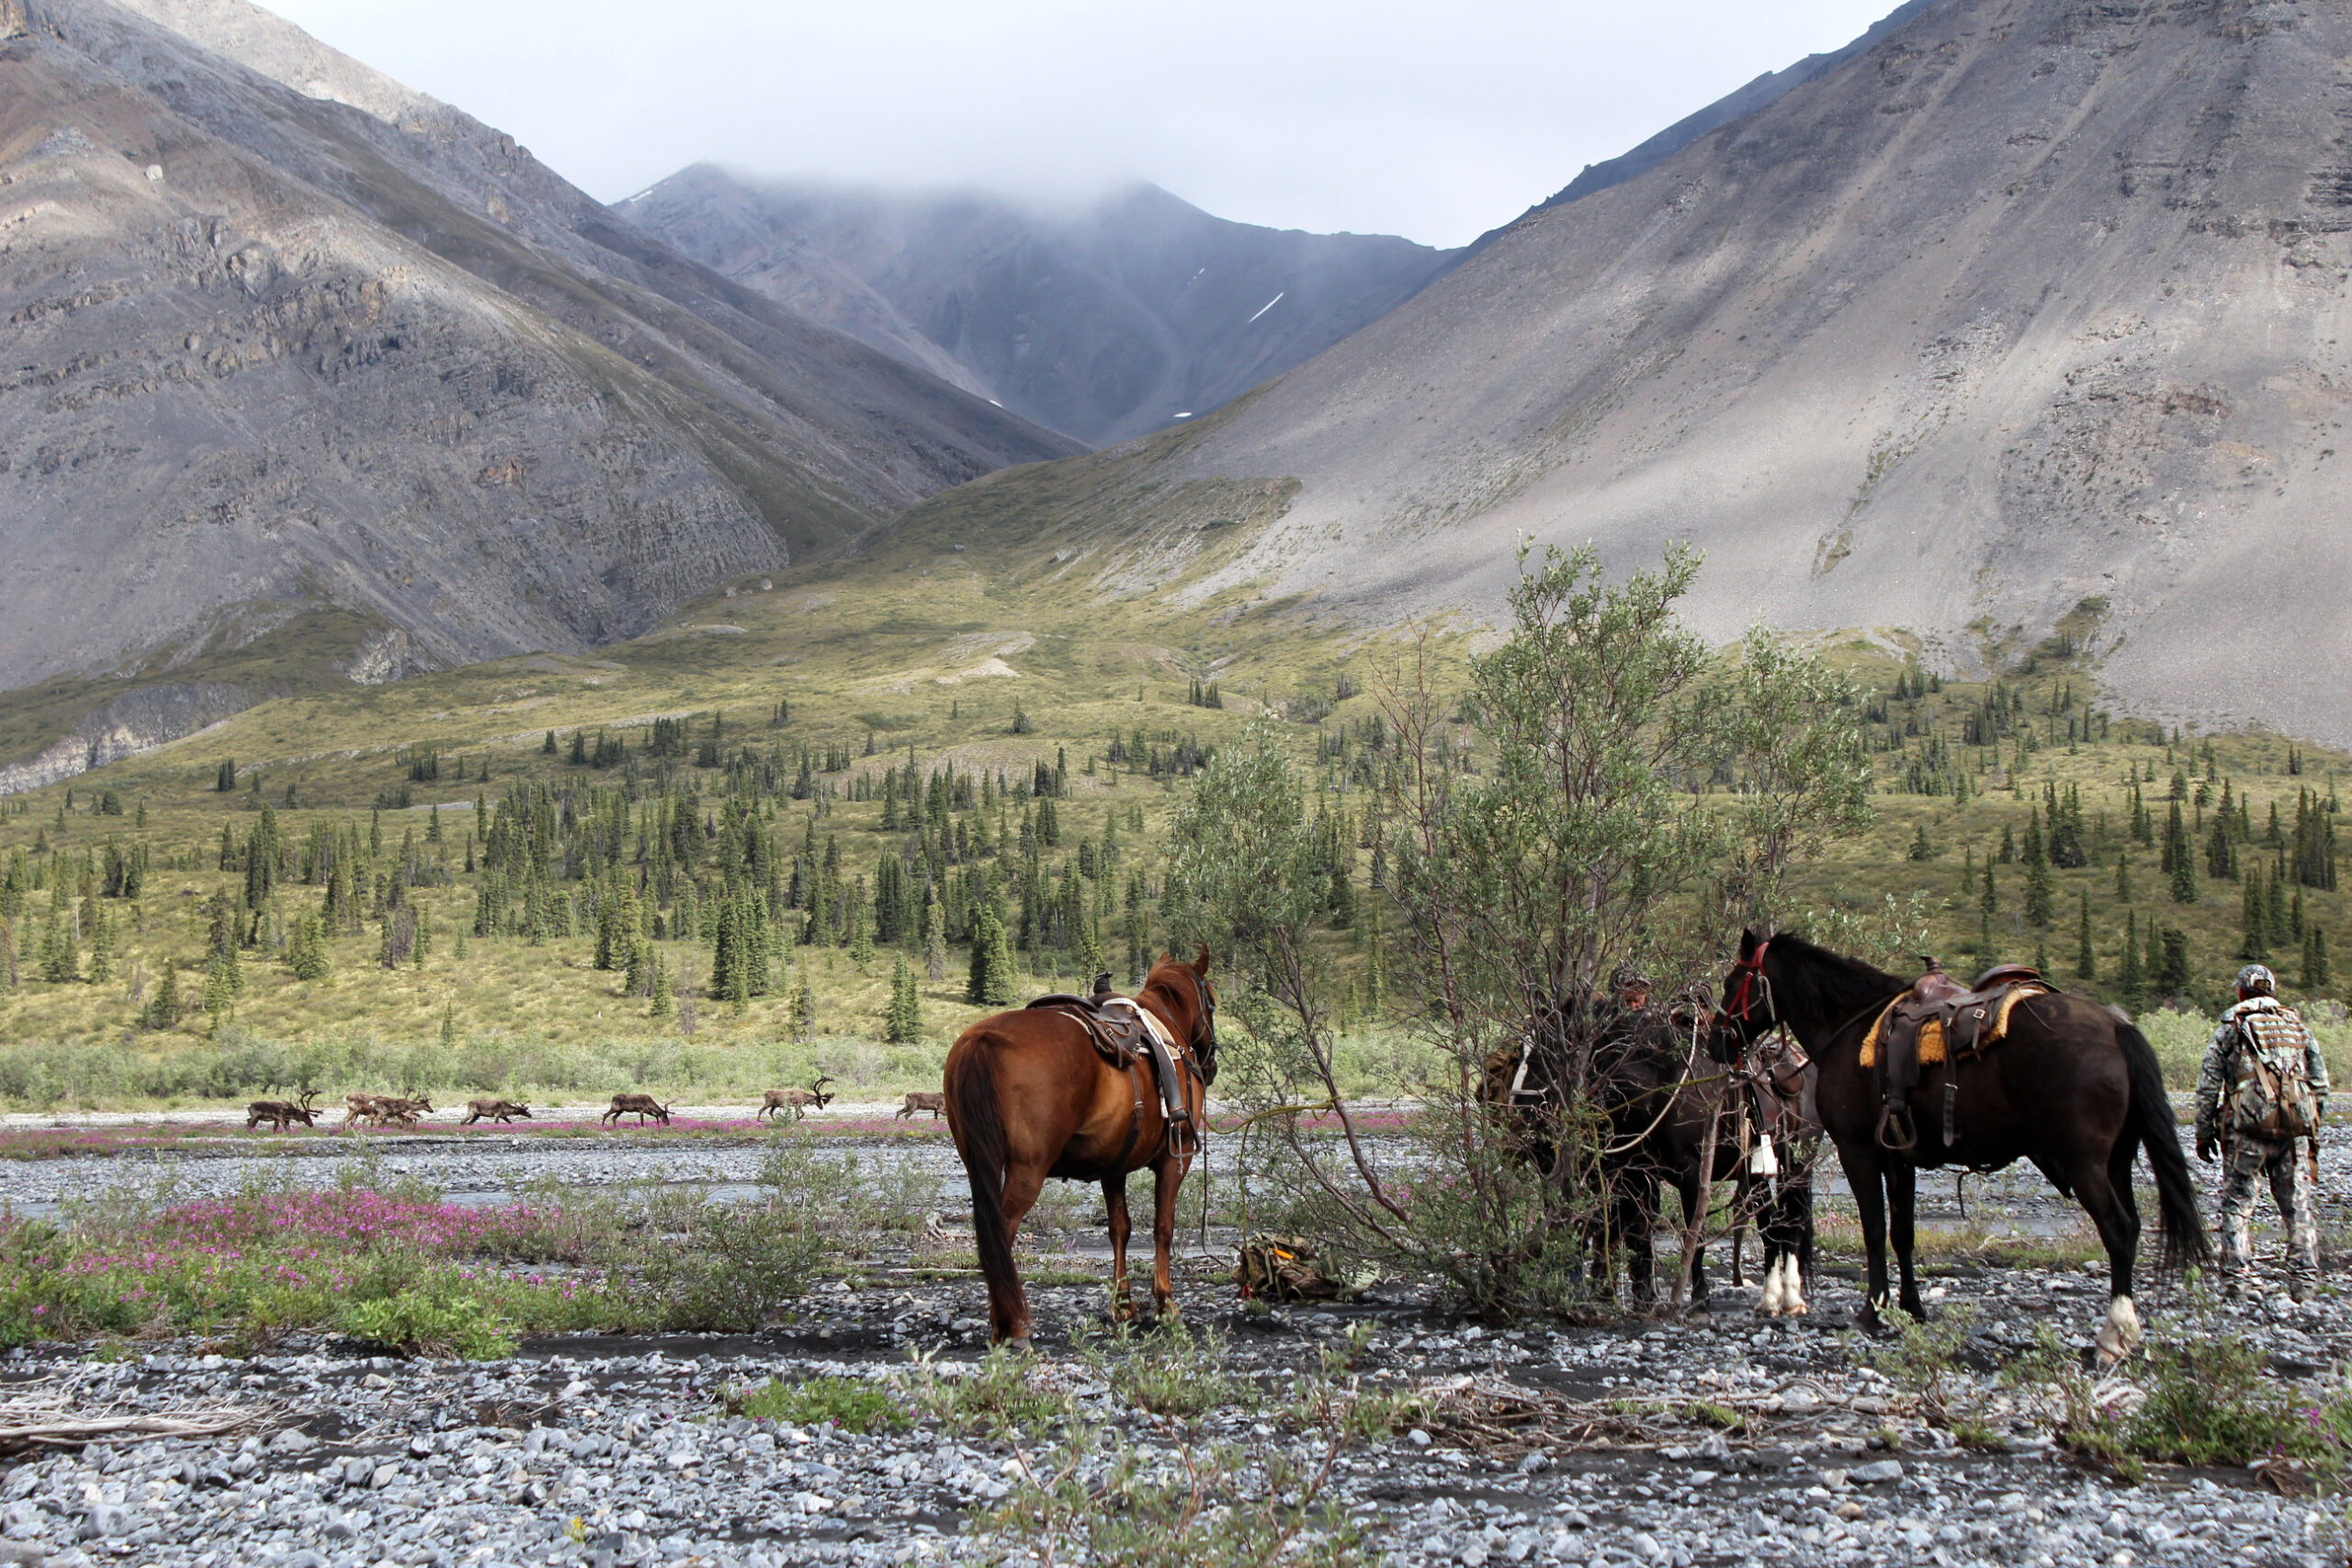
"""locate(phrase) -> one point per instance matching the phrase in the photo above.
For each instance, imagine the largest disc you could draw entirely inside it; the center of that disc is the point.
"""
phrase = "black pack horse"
(1655, 1085)
(2073, 1086)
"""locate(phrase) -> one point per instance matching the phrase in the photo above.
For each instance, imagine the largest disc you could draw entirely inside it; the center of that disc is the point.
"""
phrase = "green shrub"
(1002, 1395)
(2208, 1405)
(1167, 1372)
(1218, 1507)
(438, 1317)
(855, 1404)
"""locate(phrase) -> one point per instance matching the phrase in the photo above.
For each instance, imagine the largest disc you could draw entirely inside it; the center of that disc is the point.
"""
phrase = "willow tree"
(1603, 793)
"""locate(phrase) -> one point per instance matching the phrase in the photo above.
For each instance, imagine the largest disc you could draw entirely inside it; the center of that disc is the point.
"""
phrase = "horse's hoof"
(2119, 1335)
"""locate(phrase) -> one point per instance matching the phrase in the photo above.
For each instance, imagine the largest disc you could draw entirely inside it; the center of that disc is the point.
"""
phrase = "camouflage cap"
(2256, 980)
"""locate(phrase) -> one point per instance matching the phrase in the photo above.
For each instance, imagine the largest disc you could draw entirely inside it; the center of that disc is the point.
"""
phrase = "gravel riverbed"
(612, 1451)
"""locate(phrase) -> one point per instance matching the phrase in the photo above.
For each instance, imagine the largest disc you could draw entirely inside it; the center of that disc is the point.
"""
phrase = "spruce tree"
(664, 990)
(163, 1008)
(2038, 902)
(2254, 924)
(60, 960)
(934, 940)
(992, 976)
(1988, 904)
(2086, 956)
(2315, 976)
(1920, 850)
(101, 942)
(2180, 862)
(902, 1024)
(2221, 853)
(2132, 975)
(306, 956)
(2124, 876)
(2172, 975)
(219, 993)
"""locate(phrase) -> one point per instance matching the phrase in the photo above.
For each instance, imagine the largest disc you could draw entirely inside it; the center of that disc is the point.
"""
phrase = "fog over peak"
(1383, 117)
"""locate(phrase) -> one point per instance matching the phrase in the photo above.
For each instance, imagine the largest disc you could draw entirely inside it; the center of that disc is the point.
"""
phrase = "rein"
(1689, 1063)
(1739, 1004)
(1189, 1053)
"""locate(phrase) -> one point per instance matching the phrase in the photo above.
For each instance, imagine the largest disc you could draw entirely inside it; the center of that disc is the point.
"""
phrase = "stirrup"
(1896, 1131)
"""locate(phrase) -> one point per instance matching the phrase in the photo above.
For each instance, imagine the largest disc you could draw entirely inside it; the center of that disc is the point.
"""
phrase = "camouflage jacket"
(2213, 1080)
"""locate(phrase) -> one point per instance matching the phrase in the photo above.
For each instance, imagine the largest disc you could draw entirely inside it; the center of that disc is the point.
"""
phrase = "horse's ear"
(1202, 965)
(1747, 942)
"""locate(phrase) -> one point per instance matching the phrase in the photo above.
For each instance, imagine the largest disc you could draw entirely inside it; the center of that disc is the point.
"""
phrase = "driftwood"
(33, 1419)
(1507, 1420)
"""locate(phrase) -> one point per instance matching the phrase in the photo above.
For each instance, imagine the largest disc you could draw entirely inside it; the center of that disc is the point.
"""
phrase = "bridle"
(1204, 1035)
(1749, 986)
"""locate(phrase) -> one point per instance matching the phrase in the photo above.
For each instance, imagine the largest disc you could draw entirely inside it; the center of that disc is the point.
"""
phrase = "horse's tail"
(2152, 1123)
(978, 1124)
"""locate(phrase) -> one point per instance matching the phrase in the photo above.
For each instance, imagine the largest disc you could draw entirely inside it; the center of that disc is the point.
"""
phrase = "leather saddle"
(1773, 1074)
(1939, 1020)
(1123, 1035)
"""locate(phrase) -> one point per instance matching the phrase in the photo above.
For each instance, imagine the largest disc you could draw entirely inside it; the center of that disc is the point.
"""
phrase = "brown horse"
(2073, 1086)
(1029, 1097)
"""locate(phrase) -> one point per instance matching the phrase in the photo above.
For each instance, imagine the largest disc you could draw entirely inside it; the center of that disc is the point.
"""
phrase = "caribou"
(639, 1105)
(280, 1113)
(796, 1100)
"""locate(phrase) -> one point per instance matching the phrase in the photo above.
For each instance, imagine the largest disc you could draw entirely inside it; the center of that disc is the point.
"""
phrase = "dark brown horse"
(2073, 1086)
(1655, 1080)
(1029, 1097)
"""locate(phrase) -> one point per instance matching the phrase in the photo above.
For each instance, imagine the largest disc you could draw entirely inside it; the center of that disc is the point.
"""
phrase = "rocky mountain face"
(281, 336)
(1756, 95)
(1132, 314)
(2030, 306)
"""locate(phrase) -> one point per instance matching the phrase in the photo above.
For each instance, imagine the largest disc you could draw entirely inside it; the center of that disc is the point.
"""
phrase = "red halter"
(1748, 976)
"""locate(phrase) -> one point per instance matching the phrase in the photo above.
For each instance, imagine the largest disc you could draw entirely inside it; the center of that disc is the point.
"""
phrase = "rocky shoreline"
(1706, 1437)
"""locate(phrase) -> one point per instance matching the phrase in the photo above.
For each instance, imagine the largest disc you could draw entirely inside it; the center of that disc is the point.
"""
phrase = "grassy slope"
(1029, 588)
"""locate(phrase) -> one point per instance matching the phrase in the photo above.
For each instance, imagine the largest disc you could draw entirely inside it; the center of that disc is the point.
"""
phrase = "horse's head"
(1748, 1011)
(1185, 991)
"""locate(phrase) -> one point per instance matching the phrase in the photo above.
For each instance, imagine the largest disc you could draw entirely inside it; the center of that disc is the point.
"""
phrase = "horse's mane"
(1157, 979)
(1828, 985)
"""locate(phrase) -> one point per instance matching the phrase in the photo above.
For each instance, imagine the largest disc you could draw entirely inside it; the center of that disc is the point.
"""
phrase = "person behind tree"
(2263, 1092)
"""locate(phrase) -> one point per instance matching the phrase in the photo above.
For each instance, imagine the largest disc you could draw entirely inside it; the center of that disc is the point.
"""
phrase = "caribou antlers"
(796, 1100)
(282, 1114)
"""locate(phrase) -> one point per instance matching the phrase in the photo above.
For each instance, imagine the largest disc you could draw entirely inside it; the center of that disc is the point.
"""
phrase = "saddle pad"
(1931, 1030)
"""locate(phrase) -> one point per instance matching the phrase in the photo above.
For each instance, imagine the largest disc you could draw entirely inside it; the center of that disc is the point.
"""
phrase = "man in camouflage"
(2231, 1121)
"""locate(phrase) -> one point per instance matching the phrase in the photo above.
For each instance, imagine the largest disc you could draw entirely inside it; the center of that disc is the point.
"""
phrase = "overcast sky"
(1435, 120)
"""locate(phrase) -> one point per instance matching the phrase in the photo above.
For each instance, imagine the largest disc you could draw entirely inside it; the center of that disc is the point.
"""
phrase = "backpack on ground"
(2270, 1085)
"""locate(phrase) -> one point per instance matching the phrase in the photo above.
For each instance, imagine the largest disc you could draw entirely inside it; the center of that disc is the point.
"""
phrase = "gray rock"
(1877, 1472)
(1805, 246)
(332, 283)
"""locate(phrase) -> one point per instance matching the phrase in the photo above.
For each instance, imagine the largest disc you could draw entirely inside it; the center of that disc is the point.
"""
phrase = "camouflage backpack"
(2270, 1089)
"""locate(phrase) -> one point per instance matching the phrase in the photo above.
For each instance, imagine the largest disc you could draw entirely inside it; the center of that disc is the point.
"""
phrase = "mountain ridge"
(290, 355)
(1106, 322)
(2028, 311)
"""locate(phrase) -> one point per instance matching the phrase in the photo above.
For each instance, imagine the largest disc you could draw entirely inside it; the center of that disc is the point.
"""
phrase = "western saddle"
(1938, 1020)
(1127, 1036)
